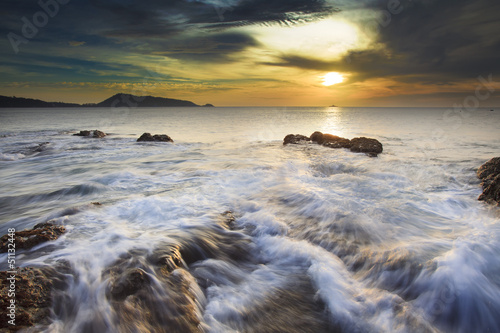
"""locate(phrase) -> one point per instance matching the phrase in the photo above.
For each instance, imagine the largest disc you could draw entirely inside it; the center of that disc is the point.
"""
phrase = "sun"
(332, 78)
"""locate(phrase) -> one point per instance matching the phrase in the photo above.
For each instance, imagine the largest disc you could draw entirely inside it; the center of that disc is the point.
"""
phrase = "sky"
(377, 53)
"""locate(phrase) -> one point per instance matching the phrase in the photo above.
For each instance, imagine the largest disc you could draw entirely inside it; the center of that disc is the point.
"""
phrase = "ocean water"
(322, 240)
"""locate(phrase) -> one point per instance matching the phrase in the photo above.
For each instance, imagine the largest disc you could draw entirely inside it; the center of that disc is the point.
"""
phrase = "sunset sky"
(253, 52)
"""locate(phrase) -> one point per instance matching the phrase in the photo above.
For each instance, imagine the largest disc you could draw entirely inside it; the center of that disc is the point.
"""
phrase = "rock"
(489, 173)
(41, 147)
(27, 239)
(334, 141)
(33, 288)
(91, 134)
(295, 139)
(82, 133)
(147, 137)
(129, 283)
(372, 147)
(317, 137)
(330, 140)
(152, 292)
(492, 167)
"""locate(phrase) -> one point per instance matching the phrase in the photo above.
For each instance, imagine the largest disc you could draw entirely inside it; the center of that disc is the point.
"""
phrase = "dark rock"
(334, 141)
(330, 140)
(372, 147)
(147, 137)
(33, 289)
(91, 134)
(295, 139)
(27, 239)
(208, 105)
(98, 134)
(317, 137)
(492, 167)
(129, 283)
(82, 133)
(41, 147)
(489, 173)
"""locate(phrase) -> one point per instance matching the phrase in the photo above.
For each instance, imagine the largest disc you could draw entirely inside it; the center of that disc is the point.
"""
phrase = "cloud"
(76, 43)
(427, 42)
(207, 48)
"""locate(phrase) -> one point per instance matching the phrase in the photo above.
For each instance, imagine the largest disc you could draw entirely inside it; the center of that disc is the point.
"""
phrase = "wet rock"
(152, 293)
(167, 258)
(228, 220)
(147, 137)
(490, 168)
(330, 140)
(295, 139)
(82, 133)
(489, 173)
(33, 297)
(41, 147)
(27, 239)
(91, 134)
(372, 147)
(317, 137)
(129, 283)
(333, 141)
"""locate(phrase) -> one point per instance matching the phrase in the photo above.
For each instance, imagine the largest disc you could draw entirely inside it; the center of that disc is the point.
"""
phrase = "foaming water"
(318, 239)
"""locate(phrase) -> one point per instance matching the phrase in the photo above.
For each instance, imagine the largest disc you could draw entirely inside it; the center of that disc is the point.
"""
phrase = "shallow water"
(323, 240)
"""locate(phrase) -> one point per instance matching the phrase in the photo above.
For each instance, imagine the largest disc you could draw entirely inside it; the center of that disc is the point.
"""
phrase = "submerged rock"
(295, 139)
(489, 173)
(40, 147)
(129, 283)
(152, 293)
(91, 134)
(147, 137)
(155, 291)
(372, 147)
(27, 239)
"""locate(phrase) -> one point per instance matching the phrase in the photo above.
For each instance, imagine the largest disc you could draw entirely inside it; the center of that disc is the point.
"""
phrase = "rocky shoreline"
(158, 290)
(152, 290)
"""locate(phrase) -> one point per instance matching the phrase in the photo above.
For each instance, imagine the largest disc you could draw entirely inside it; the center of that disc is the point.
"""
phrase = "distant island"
(118, 100)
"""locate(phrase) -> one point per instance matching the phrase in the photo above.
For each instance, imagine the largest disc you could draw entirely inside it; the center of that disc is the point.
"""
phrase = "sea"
(269, 238)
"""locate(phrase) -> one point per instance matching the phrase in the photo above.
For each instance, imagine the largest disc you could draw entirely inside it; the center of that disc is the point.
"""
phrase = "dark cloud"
(183, 29)
(210, 48)
(452, 37)
(273, 11)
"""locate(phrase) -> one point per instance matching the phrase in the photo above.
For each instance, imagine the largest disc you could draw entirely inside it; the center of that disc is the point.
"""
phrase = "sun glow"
(328, 39)
(332, 78)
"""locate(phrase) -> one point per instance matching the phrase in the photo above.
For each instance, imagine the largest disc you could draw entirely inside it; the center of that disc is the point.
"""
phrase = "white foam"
(11, 157)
